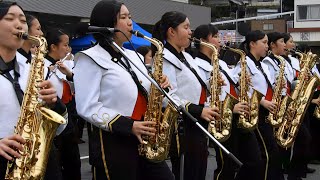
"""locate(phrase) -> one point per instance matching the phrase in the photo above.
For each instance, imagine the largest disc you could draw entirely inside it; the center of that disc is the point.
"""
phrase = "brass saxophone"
(219, 128)
(275, 119)
(156, 148)
(296, 109)
(36, 124)
(247, 122)
(316, 112)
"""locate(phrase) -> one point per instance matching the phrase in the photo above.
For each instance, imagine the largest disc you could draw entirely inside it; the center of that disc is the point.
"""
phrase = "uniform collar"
(49, 58)
(180, 56)
(274, 58)
(26, 55)
(256, 62)
(7, 67)
(204, 57)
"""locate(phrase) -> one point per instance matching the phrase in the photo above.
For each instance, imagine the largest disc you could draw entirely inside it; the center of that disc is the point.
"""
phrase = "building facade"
(68, 13)
(306, 26)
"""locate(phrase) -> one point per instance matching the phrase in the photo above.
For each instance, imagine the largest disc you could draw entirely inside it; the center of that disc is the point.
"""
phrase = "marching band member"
(112, 94)
(189, 88)
(243, 144)
(297, 167)
(277, 46)
(256, 47)
(60, 74)
(12, 21)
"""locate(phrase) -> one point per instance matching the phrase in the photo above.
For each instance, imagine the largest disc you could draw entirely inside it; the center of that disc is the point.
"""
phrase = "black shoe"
(80, 141)
(310, 170)
(314, 162)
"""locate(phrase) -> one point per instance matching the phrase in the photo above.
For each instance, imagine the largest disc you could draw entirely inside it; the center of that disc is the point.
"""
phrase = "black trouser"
(81, 122)
(53, 172)
(315, 131)
(269, 147)
(69, 156)
(122, 161)
(244, 145)
(195, 149)
(301, 153)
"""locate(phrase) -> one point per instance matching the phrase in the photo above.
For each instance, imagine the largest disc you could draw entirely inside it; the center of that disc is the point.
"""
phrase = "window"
(309, 12)
(267, 27)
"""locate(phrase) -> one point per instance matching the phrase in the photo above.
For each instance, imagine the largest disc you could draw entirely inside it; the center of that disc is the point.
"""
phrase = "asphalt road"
(86, 168)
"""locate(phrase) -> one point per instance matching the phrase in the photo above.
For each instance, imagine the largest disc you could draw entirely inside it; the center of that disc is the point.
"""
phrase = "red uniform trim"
(140, 108)
(289, 88)
(66, 95)
(233, 91)
(203, 96)
(269, 94)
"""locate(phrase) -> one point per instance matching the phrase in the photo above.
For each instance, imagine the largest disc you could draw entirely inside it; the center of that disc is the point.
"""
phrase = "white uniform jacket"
(186, 87)
(207, 68)
(274, 69)
(9, 104)
(105, 92)
(258, 80)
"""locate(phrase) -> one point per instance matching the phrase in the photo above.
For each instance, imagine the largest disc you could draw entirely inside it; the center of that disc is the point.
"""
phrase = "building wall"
(143, 11)
(305, 24)
(279, 25)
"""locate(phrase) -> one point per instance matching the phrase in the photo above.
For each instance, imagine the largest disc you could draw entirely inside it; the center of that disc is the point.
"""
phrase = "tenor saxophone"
(247, 122)
(36, 124)
(219, 128)
(156, 148)
(276, 118)
(296, 109)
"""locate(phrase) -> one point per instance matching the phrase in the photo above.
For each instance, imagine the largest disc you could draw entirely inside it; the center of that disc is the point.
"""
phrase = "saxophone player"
(297, 164)
(12, 21)
(240, 142)
(116, 101)
(256, 47)
(277, 48)
(189, 88)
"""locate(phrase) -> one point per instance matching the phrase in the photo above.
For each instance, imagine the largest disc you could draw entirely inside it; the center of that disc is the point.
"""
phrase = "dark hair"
(286, 37)
(143, 50)
(252, 36)
(53, 36)
(30, 18)
(304, 48)
(203, 31)
(5, 6)
(169, 19)
(273, 37)
(104, 14)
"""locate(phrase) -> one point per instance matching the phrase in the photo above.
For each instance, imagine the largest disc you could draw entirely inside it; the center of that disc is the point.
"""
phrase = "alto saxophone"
(275, 119)
(247, 122)
(296, 109)
(156, 148)
(219, 128)
(36, 124)
(316, 112)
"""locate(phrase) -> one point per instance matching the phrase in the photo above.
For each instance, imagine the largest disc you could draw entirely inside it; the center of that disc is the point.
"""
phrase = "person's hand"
(10, 145)
(241, 108)
(165, 82)
(64, 69)
(316, 101)
(210, 114)
(47, 92)
(140, 128)
(271, 106)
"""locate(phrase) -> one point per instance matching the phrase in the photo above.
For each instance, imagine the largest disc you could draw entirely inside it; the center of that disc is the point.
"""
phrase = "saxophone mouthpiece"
(137, 33)
(195, 40)
(22, 35)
